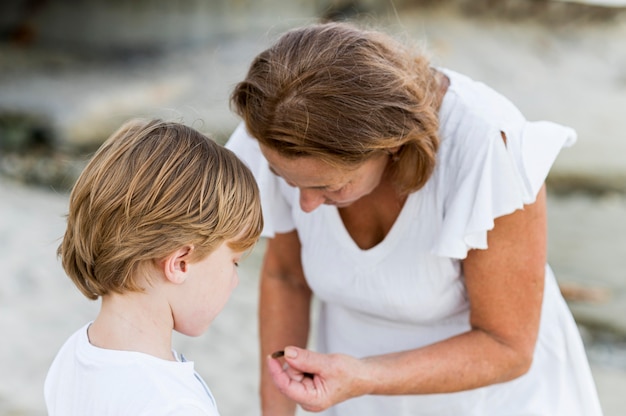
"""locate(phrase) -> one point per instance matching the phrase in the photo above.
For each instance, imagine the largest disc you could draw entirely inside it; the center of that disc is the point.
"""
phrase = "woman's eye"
(329, 189)
(334, 190)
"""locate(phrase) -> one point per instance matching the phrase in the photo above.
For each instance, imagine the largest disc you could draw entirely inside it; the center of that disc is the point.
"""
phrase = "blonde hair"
(343, 94)
(152, 188)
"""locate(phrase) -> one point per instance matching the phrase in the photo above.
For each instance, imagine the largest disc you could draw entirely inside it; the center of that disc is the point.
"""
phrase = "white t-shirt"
(87, 380)
(408, 291)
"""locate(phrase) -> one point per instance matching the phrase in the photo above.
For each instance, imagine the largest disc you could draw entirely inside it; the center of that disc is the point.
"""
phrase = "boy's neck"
(134, 322)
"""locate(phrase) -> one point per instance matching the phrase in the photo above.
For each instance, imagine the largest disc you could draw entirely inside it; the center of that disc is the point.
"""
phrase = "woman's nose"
(310, 199)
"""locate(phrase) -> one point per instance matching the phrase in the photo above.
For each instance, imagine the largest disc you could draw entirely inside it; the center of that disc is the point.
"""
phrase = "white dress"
(408, 291)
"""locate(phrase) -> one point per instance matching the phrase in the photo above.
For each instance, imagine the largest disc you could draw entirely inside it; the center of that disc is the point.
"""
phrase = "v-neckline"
(387, 242)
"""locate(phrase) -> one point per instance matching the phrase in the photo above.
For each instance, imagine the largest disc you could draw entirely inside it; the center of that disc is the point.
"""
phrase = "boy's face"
(206, 290)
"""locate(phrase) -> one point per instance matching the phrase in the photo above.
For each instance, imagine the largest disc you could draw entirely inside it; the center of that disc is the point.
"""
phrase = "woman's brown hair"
(152, 188)
(343, 94)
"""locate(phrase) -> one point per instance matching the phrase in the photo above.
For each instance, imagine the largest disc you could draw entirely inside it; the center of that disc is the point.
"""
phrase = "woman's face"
(321, 183)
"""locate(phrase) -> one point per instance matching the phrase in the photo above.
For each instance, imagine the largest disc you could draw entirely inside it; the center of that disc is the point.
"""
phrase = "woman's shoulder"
(473, 119)
(473, 106)
(491, 162)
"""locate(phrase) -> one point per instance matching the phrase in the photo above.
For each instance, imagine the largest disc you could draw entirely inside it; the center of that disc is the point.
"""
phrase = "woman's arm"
(505, 289)
(283, 312)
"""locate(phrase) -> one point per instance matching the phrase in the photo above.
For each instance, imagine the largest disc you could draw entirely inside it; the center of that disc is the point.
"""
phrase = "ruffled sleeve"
(274, 202)
(483, 178)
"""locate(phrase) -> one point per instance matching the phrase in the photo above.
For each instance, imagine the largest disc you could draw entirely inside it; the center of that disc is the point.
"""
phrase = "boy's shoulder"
(84, 379)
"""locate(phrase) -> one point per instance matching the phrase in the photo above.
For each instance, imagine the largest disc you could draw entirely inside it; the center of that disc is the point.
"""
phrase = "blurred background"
(72, 71)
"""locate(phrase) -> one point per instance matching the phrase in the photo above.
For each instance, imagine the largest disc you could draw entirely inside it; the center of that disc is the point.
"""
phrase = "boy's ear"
(176, 265)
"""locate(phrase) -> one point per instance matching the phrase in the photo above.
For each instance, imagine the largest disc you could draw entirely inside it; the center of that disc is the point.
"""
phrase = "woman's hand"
(317, 381)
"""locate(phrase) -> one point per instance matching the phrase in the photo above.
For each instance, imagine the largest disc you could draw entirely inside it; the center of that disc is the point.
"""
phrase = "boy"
(157, 222)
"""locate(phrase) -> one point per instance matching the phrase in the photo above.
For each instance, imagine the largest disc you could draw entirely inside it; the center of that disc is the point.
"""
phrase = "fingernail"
(291, 352)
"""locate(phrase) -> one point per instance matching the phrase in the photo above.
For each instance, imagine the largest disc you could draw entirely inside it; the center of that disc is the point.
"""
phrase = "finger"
(295, 375)
(308, 362)
(291, 372)
(277, 372)
(295, 386)
(308, 383)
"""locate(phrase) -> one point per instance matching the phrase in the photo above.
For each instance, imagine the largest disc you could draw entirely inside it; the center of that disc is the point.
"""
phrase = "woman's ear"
(176, 265)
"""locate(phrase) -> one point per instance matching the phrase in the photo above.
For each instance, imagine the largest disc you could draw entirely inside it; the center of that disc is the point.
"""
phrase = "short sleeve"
(275, 204)
(488, 178)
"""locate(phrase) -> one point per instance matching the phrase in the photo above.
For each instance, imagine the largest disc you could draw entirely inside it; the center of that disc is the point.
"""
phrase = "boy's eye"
(236, 264)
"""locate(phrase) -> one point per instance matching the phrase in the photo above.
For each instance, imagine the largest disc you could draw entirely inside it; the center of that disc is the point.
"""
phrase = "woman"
(410, 201)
